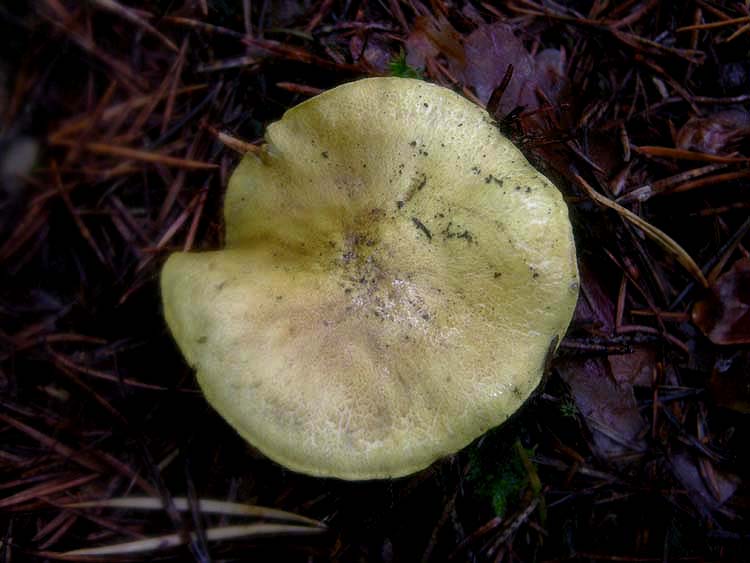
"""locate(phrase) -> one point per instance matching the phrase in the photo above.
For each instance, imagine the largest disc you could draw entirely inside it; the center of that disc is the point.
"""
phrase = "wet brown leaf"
(635, 368)
(708, 490)
(595, 306)
(724, 316)
(608, 408)
(372, 50)
(489, 50)
(603, 395)
(429, 37)
(481, 60)
(713, 134)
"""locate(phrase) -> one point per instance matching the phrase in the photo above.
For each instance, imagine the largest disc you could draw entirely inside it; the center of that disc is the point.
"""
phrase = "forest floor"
(119, 125)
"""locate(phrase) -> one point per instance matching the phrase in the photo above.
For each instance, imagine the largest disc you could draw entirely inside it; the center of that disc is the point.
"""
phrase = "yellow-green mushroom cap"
(395, 273)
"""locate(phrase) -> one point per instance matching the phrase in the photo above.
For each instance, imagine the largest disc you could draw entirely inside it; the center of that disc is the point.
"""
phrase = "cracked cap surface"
(395, 273)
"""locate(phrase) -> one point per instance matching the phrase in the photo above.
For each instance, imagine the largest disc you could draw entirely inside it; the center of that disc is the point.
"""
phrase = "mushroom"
(394, 276)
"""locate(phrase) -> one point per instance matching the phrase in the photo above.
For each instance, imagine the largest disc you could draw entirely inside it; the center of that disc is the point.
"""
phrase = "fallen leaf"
(707, 496)
(429, 38)
(604, 397)
(714, 134)
(724, 316)
(608, 408)
(550, 73)
(595, 307)
(489, 50)
(373, 50)
(481, 60)
(635, 368)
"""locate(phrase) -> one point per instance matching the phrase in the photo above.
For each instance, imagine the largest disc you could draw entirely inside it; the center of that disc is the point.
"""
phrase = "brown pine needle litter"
(120, 124)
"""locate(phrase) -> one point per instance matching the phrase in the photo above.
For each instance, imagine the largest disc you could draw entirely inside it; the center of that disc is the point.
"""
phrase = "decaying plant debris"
(120, 123)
